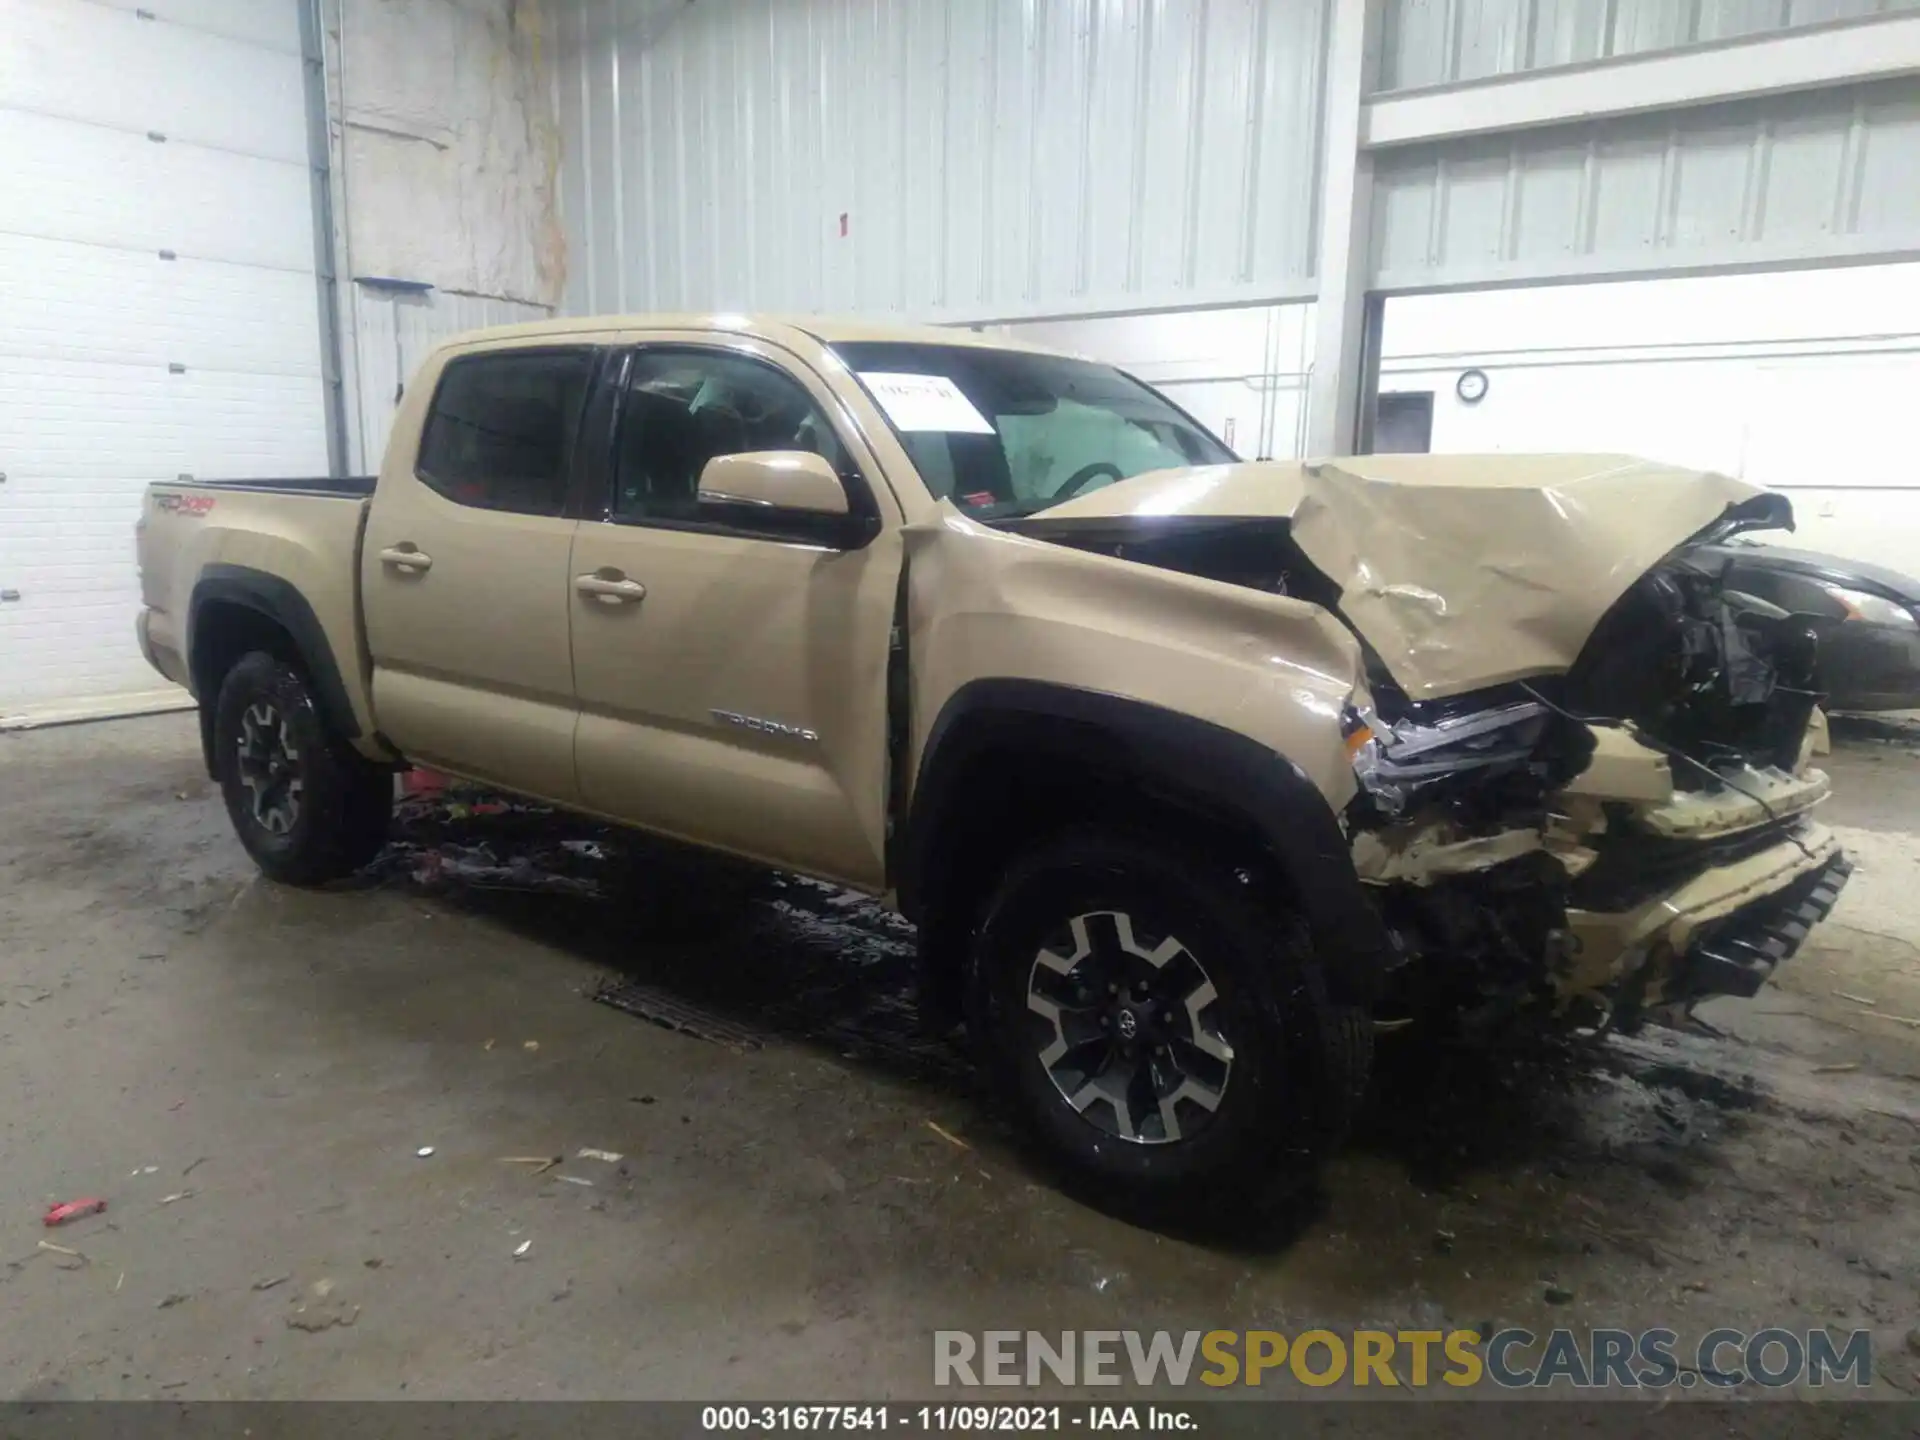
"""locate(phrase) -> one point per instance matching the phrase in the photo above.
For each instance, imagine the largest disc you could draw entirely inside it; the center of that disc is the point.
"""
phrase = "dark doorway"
(1403, 423)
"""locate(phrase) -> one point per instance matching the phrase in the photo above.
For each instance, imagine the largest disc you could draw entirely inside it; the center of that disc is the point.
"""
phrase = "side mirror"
(797, 481)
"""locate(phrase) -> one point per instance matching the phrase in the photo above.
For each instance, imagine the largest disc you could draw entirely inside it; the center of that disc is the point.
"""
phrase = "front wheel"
(1160, 1030)
(307, 808)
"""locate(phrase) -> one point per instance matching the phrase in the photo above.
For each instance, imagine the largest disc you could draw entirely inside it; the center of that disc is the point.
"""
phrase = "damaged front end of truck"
(1582, 758)
(1531, 855)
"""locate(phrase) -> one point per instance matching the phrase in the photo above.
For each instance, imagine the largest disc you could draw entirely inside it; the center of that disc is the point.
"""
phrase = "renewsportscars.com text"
(1511, 1359)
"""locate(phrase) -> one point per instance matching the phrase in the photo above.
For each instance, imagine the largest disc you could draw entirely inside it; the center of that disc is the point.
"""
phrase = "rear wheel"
(307, 808)
(1160, 1030)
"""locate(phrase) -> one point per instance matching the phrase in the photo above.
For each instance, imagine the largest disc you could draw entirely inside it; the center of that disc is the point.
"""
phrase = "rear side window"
(502, 428)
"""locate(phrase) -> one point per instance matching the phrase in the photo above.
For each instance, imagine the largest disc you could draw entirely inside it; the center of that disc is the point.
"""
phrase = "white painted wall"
(1806, 381)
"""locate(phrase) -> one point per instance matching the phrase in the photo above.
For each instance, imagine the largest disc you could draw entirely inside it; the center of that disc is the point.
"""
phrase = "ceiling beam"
(1810, 59)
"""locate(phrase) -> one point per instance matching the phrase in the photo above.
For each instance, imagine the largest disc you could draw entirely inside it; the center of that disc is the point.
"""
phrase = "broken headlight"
(1396, 761)
(1873, 609)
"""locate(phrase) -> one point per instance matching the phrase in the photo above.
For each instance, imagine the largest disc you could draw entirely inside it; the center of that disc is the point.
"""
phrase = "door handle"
(607, 587)
(405, 557)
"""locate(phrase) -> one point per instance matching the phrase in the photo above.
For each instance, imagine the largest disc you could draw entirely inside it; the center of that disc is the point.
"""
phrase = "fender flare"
(280, 601)
(1196, 763)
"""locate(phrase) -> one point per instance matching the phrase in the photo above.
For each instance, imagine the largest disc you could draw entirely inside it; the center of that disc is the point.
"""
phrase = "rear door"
(464, 571)
(731, 672)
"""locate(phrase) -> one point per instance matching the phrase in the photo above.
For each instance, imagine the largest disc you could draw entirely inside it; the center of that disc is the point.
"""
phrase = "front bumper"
(1723, 931)
(1736, 956)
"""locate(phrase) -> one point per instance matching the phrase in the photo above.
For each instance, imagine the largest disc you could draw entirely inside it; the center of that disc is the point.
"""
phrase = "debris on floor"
(315, 1318)
(453, 835)
(424, 1151)
(271, 1281)
(477, 867)
(852, 985)
(612, 1157)
(947, 1135)
(68, 1252)
(71, 1210)
(520, 1250)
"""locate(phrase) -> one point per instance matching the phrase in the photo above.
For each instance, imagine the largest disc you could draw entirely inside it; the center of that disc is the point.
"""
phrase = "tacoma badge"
(766, 727)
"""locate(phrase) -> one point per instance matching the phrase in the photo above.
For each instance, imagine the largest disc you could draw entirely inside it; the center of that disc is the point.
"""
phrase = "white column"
(1346, 186)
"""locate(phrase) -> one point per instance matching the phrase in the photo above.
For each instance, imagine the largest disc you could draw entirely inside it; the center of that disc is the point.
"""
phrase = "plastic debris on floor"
(695, 943)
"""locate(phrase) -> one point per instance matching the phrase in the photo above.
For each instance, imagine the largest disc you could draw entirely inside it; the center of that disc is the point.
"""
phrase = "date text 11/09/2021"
(943, 1419)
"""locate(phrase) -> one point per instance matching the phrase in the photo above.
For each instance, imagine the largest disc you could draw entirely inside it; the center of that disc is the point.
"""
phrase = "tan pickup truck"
(1191, 772)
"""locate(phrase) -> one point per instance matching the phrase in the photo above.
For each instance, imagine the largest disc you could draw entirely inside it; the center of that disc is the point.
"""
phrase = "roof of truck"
(829, 329)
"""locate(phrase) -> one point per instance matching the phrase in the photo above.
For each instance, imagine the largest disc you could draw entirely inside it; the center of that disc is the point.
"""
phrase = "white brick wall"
(92, 318)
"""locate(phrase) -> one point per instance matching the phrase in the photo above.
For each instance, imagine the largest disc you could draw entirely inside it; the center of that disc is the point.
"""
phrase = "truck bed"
(287, 547)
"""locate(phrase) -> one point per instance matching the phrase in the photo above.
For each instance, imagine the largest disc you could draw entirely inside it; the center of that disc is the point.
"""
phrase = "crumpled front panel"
(1469, 571)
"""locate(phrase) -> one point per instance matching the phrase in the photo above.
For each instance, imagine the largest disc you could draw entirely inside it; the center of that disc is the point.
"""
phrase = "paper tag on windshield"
(925, 402)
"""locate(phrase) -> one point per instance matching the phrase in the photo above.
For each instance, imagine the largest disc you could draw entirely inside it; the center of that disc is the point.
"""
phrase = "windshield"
(1003, 433)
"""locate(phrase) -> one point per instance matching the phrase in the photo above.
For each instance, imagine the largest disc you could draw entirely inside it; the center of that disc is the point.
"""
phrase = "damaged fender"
(986, 604)
(1169, 688)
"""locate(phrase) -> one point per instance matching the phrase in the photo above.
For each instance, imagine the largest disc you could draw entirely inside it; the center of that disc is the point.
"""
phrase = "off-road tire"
(1300, 1061)
(344, 803)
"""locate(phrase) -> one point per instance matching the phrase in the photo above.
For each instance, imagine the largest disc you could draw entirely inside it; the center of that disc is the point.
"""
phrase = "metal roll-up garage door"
(158, 308)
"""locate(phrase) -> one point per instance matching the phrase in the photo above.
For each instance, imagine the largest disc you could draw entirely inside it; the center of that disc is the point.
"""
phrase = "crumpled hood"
(1461, 571)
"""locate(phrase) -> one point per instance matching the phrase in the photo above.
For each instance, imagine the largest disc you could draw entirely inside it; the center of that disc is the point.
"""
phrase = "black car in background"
(1867, 619)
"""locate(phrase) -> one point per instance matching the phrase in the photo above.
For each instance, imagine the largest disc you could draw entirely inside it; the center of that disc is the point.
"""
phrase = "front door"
(732, 681)
(464, 573)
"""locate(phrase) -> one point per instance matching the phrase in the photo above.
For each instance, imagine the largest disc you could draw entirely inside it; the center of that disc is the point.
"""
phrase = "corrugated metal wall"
(393, 332)
(1791, 179)
(1434, 42)
(950, 158)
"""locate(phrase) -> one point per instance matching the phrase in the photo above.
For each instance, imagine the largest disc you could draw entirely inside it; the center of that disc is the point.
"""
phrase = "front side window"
(1004, 433)
(501, 432)
(685, 407)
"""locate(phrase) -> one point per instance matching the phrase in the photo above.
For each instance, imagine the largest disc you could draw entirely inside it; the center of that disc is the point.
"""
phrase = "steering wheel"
(1085, 476)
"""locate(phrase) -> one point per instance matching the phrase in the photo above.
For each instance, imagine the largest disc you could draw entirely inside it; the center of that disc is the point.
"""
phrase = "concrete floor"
(787, 1221)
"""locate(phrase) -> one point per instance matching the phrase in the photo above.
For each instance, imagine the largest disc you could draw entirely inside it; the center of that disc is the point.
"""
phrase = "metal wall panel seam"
(614, 41)
(587, 185)
(1255, 127)
(1196, 153)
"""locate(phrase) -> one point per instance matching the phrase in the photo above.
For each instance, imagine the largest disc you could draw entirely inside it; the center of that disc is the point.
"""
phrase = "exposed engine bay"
(1626, 834)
